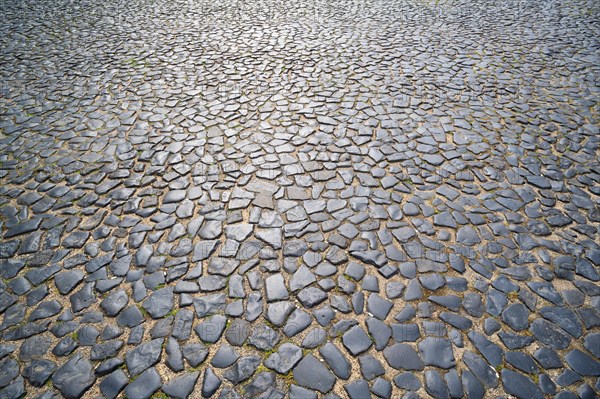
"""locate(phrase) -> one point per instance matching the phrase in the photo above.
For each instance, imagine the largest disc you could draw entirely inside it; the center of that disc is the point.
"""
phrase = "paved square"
(299, 199)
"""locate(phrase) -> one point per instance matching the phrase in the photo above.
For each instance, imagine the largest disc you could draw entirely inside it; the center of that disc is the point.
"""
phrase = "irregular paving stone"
(403, 356)
(14, 390)
(23, 228)
(454, 384)
(74, 377)
(222, 266)
(471, 385)
(336, 360)
(243, 369)
(356, 340)
(194, 353)
(211, 229)
(270, 236)
(44, 310)
(182, 386)
(407, 381)
(130, 317)
(83, 298)
(549, 334)
(124, 173)
(286, 357)
(264, 337)
(357, 389)
(582, 363)
(311, 296)
(297, 392)
(380, 332)
(382, 388)
(113, 384)
(311, 373)
(39, 371)
(480, 368)
(145, 385)
(144, 356)
(435, 385)
(437, 352)
(456, 321)
(174, 356)
(547, 358)
(211, 329)
(105, 350)
(468, 236)
(210, 383)
(314, 338)
(303, 277)
(413, 291)
(298, 321)
(209, 304)
(370, 367)
(238, 232)
(275, 288)
(547, 291)
(521, 361)
(407, 332)
(495, 302)
(68, 280)
(262, 383)
(567, 377)
(10, 370)
(159, 303)
(378, 306)
(592, 344)
(237, 332)
(520, 386)
(109, 366)
(516, 316)
(565, 318)
(492, 352)
(224, 357)
(324, 315)
(114, 302)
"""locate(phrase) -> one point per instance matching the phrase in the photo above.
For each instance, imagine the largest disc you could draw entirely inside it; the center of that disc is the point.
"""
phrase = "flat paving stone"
(437, 352)
(275, 288)
(520, 386)
(356, 340)
(145, 385)
(311, 373)
(74, 377)
(336, 360)
(345, 200)
(284, 359)
(403, 356)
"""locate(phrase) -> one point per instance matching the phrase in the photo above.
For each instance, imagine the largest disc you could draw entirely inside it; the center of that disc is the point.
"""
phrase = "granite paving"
(299, 199)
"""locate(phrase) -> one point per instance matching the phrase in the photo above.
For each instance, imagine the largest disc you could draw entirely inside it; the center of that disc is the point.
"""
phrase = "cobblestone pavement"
(299, 199)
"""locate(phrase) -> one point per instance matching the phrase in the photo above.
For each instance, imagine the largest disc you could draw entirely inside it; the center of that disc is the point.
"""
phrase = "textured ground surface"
(299, 199)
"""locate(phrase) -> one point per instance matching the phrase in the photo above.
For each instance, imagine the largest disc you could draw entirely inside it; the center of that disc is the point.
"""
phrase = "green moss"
(288, 379)
(143, 311)
(261, 368)
(268, 323)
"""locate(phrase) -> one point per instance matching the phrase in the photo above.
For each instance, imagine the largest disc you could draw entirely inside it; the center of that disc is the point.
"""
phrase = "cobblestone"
(308, 199)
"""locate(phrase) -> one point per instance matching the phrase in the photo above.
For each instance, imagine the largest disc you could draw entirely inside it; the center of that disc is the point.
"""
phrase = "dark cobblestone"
(308, 199)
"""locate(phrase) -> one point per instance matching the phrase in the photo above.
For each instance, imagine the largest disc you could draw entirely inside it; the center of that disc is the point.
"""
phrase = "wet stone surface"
(306, 199)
